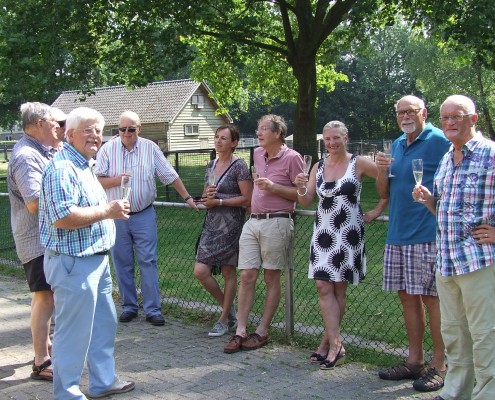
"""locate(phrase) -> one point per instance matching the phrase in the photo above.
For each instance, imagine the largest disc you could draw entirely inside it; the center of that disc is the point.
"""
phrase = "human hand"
(421, 194)
(192, 203)
(118, 209)
(382, 162)
(263, 183)
(301, 180)
(371, 215)
(484, 233)
(211, 191)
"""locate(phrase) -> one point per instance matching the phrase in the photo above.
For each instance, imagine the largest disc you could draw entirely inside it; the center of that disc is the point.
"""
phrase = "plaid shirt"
(69, 181)
(466, 199)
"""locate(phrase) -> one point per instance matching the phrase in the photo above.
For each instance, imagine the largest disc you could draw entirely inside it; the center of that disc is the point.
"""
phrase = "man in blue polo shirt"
(409, 261)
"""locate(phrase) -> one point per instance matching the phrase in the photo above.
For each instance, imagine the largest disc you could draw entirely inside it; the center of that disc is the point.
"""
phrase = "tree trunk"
(305, 112)
(483, 103)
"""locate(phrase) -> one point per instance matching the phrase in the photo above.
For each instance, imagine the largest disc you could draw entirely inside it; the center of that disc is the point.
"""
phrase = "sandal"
(338, 360)
(402, 371)
(42, 372)
(432, 380)
(317, 357)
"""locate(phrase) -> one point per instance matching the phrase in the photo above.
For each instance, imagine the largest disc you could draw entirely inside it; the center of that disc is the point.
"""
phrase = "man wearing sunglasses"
(60, 117)
(130, 155)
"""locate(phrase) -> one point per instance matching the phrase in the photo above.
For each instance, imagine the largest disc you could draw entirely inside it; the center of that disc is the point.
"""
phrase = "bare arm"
(110, 181)
(373, 214)
(33, 206)
(181, 189)
(244, 200)
(382, 178)
(423, 195)
(287, 192)
(81, 217)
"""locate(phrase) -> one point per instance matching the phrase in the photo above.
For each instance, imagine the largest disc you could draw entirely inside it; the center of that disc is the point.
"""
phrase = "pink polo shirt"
(281, 169)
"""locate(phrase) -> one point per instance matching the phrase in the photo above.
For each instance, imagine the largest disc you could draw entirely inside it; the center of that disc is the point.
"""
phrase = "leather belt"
(271, 215)
(101, 253)
(137, 212)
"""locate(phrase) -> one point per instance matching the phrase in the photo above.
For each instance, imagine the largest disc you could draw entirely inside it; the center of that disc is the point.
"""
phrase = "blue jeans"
(86, 323)
(137, 236)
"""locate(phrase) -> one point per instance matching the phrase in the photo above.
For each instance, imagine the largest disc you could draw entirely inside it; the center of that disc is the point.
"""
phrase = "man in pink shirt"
(268, 235)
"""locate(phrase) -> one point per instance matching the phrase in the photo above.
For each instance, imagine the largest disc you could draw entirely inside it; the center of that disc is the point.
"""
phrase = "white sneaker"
(119, 386)
(219, 329)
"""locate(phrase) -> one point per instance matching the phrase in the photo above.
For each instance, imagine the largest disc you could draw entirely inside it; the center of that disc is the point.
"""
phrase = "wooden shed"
(177, 115)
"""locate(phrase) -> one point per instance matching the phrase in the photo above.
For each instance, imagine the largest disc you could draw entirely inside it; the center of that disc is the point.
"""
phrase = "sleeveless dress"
(219, 241)
(337, 251)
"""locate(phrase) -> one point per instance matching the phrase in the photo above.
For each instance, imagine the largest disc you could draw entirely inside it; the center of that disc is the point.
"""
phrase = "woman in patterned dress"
(337, 253)
(219, 241)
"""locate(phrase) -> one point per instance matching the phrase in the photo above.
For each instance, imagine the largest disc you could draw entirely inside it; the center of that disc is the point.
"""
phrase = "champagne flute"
(417, 168)
(306, 169)
(125, 186)
(211, 178)
(256, 175)
(387, 148)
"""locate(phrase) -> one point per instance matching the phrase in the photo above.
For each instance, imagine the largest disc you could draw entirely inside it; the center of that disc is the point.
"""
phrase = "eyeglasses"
(129, 129)
(453, 118)
(61, 124)
(263, 129)
(409, 113)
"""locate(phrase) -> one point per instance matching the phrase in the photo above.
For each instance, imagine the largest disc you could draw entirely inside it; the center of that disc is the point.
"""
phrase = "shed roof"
(157, 102)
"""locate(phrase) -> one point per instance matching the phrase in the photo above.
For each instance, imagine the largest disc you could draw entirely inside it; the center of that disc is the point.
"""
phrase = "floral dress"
(219, 240)
(337, 250)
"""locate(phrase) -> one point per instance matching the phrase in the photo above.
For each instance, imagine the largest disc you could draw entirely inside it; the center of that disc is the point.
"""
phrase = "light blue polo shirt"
(411, 222)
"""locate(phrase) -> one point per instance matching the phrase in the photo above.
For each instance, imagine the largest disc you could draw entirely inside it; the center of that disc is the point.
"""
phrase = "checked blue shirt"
(68, 181)
(465, 199)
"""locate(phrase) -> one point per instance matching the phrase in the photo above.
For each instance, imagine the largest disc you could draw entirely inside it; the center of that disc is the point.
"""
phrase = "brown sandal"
(402, 371)
(42, 372)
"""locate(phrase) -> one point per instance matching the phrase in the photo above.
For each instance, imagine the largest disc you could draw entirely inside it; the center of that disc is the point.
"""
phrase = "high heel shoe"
(317, 357)
(339, 360)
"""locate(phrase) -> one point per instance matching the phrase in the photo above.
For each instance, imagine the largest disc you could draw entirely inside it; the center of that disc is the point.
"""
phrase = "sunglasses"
(128, 129)
(61, 124)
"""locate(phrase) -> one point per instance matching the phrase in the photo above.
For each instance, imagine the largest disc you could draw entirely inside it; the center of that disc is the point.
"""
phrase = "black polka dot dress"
(337, 250)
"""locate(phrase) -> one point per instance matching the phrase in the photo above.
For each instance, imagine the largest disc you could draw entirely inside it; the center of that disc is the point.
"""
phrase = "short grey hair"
(130, 115)
(83, 114)
(337, 125)
(32, 112)
(278, 124)
(412, 99)
(463, 101)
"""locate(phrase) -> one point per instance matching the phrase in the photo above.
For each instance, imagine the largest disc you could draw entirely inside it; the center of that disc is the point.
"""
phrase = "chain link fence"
(373, 318)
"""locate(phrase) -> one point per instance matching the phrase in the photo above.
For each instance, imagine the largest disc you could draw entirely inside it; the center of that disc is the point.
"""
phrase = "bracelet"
(188, 197)
(221, 202)
(302, 194)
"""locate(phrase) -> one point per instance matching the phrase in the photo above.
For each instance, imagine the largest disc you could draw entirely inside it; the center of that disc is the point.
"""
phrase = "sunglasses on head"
(128, 129)
(61, 124)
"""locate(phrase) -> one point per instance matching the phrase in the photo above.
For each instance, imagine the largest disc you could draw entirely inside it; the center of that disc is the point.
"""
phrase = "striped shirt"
(143, 162)
(466, 199)
(68, 181)
(26, 165)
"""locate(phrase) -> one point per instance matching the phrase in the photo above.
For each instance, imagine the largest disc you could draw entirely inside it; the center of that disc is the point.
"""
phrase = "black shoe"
(127, 316)
(156, 320)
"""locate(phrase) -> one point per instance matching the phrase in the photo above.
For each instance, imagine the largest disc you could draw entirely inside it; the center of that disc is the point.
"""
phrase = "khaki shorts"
(267, 243)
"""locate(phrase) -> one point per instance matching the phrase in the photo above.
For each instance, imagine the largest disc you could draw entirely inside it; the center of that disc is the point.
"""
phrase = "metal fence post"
(289, 289)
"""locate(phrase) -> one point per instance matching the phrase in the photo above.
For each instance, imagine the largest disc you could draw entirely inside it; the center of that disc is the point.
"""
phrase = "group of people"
(441, 236)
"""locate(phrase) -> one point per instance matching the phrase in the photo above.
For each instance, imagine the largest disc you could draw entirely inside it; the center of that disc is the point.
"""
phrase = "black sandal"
(338, 360)
(42, 372)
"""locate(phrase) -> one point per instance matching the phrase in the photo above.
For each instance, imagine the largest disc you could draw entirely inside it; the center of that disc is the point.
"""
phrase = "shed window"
(191, 129)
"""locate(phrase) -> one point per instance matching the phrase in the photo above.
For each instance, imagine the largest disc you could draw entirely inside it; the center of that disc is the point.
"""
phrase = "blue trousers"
(86, 323)
(137, 237)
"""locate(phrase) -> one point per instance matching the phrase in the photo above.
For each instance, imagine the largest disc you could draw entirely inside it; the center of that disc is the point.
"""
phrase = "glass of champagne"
(125, 186)
(417, 168)
(387, 148)
(306, 168)
(212, 179)
(256, 175)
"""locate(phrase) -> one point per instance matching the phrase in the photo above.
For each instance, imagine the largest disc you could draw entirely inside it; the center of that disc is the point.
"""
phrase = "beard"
(409, 128)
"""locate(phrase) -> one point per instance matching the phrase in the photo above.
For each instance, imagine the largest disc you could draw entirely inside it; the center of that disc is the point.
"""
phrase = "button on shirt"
(144, 162)
(69, 181)
(466, 199)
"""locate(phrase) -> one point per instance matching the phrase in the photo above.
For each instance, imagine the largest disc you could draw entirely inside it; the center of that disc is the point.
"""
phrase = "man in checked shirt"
(464, 203)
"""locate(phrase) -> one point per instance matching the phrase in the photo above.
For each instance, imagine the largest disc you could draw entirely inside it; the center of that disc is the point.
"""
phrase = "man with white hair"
(142, 159)
(463, 201)
(77, 230)
(409, 257)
